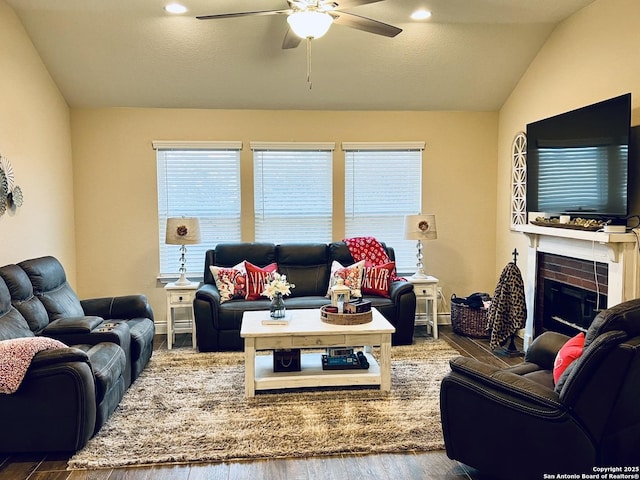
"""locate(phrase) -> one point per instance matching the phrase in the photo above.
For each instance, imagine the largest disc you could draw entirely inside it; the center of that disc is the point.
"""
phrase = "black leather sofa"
(67, 394)
(308, 266)
(517, 423)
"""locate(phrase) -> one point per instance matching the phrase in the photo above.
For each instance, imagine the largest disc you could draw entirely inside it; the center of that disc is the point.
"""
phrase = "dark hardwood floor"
(405, 465)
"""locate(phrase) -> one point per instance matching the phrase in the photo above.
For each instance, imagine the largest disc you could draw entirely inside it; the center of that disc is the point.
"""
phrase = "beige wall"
(35, 137)
(590, 57)
(115, 184)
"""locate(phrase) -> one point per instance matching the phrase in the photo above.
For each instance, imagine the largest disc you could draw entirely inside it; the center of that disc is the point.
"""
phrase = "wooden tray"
(344, 318)
(570, 226)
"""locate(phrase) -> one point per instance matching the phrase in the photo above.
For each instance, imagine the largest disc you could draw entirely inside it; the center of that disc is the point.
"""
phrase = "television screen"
(578, 162)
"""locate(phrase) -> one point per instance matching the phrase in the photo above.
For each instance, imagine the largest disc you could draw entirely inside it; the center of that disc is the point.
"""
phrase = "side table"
(180, 296)
(426, 290)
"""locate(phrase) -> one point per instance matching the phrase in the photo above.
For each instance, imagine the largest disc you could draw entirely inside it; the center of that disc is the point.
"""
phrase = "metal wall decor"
(10, 193)
(519, 180)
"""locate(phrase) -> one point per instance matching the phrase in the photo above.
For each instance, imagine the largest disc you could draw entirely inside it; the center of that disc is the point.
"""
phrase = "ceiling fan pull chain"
(309, 62)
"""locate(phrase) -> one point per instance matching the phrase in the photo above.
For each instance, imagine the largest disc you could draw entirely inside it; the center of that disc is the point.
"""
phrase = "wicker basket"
(345, 318)
(470, 322)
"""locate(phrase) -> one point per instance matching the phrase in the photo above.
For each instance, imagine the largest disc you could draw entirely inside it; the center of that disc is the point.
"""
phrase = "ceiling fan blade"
(354, 3)
(245, 14)
(291, 40)
(363, 23)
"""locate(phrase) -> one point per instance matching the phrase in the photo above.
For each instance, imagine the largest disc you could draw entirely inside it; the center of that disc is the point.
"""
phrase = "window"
(293, 191)
(197, 179)
(383, 183)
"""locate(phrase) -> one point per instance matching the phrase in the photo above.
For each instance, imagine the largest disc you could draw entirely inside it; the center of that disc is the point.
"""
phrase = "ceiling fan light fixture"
(175, 8)
(310, 23)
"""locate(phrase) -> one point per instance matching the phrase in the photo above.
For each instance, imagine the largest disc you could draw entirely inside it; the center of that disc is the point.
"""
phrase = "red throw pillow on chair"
(377, 278)
(256, 278)
(569, 352)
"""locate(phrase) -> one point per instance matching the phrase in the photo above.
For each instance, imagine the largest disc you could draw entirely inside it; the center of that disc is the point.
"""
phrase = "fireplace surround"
(570, 261)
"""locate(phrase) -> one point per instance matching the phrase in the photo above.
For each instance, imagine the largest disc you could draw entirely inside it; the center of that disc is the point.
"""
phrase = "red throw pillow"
(377, 279)
(231, 282)
(569, 352)
(256, 278)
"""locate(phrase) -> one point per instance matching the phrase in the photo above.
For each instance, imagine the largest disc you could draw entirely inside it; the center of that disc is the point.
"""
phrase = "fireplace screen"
(569, 309)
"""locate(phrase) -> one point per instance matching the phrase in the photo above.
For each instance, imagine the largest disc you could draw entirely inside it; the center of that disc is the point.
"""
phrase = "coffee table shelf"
(306, 331)
(312, 374)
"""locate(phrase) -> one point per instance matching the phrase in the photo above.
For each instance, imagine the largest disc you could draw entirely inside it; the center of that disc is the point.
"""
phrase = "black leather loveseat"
(308, 266)
(67, 394)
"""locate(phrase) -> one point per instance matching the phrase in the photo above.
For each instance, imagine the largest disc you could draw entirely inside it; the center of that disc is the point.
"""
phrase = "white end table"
(180, 296)
(426, 290)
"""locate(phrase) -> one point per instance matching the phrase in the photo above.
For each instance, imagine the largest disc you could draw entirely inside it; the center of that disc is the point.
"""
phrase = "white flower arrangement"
(277, 284)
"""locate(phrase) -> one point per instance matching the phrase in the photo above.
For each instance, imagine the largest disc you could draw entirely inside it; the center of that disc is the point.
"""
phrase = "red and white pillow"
(377, 278)
(570, 351)
(351, 277)
(256, 278)
(231, 282)
(244, 280)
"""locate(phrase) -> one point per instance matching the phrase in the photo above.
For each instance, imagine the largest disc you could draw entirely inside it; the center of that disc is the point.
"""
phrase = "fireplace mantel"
(617, 250)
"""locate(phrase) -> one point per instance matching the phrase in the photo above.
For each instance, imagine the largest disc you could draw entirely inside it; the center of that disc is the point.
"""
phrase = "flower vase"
(277, 308)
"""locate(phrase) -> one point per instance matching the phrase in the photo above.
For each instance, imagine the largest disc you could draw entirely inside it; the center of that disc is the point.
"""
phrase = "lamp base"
(182, 281)
(419, 274)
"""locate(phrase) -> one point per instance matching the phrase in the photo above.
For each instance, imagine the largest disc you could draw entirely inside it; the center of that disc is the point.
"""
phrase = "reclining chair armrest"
(71, 325)
(544, 348)
(61, 355)
(510, 383)
(399, 287)
(121, 307)
(210, 293)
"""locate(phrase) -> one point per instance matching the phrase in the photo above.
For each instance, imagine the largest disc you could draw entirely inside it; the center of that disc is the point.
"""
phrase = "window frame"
(269, 196)
(405, 250)
(209, 235)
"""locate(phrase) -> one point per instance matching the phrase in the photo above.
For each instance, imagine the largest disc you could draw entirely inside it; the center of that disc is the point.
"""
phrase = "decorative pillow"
(231, 282)
(377, 278)
(569, 352)
(351, 277)
(256, 278)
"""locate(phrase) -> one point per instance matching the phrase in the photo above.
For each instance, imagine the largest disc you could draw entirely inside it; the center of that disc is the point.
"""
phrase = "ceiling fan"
(312, 19)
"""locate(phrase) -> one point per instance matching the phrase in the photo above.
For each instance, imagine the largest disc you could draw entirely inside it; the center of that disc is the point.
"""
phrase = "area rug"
(190, 407)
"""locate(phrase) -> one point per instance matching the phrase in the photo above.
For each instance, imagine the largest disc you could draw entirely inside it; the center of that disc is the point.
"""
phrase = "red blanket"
(371, 251)
(16, 356)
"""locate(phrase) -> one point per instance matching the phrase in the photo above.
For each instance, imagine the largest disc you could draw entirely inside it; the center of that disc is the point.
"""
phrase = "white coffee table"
(307, 331)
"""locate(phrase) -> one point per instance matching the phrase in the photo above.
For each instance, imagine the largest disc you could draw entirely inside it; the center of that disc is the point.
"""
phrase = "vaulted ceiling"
(131, 53)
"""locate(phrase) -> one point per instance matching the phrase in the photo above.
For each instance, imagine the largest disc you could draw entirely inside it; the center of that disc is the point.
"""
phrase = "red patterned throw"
(371, 251)
(15, 358)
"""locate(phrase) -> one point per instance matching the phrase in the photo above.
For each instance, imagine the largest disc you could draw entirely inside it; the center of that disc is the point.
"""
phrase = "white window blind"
(382, 185)
(197, 179)
(293, 191)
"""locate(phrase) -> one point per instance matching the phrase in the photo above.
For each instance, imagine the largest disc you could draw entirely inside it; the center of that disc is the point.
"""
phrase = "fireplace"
(560, 276)
(570, 292)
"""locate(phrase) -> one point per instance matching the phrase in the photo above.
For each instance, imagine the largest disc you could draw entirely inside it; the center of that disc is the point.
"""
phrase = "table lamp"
(420, 227)
(183, 231)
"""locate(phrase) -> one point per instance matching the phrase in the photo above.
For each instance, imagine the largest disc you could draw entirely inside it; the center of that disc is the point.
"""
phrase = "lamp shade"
(310, 23)
(183, 231)
(420, 227)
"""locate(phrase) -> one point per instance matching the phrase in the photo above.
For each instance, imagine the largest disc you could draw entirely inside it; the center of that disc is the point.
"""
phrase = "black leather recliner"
(516, 423)
(66, 395)
(40, 291)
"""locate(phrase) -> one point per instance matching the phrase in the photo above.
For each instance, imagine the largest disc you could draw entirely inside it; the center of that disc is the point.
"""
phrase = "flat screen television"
(578, 162)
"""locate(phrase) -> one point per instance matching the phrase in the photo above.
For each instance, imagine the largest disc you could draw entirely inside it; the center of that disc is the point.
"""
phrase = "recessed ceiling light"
(175, 8)
(421, 14)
